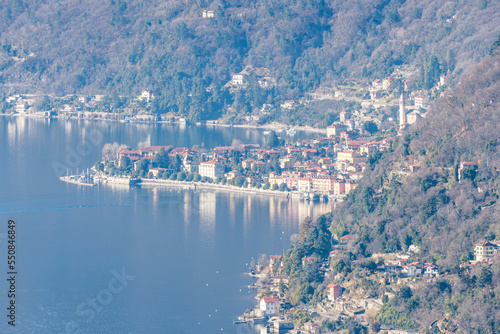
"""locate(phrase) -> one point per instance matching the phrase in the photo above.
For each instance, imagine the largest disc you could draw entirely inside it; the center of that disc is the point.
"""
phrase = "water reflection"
(207, 205)
(11, 135)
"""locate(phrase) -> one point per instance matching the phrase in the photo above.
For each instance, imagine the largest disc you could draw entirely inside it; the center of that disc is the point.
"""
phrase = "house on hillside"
(412, 269)
(347, 238)
(21, 107)
(206, 14)
(238, 79)
(334, 291)
(431, 270)
(288, 104)
(269, 305)
(484, 250)
(421, 102)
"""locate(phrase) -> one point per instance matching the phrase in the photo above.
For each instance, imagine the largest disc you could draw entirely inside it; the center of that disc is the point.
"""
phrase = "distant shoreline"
(273, 126)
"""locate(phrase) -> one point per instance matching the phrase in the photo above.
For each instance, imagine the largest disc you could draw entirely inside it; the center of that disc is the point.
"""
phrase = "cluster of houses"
(308, 166)
(262, 75)
(273, 306)
(83, 107)
(412, 269)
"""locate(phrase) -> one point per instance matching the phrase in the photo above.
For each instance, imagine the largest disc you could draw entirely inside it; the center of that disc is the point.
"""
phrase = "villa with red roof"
(211, 169)
(334, 291)
(269, 305)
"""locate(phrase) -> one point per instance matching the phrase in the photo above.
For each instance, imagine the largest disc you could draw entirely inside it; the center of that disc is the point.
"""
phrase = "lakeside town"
(359, 292)
(325, 167)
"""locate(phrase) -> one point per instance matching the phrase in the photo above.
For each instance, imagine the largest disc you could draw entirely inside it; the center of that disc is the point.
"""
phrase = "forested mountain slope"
(443, 208)
(82, 46)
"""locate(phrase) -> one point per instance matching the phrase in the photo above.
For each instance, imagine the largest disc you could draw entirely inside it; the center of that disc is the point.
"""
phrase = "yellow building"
(352, 157)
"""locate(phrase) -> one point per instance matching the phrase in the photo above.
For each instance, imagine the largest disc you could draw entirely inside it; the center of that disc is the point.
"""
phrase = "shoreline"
(201, 185)
(271, 126)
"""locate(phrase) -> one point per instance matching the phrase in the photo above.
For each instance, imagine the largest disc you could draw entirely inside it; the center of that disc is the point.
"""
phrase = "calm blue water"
(118, 260)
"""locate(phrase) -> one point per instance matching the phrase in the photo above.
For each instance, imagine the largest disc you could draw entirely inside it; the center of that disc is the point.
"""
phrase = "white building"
(421, 102)
(269, 305)
(21, 107)
(208, 14)
(211, 169)
(145, 95)
(238, 79)
(431, 270)
(304, 184)
(413, 269)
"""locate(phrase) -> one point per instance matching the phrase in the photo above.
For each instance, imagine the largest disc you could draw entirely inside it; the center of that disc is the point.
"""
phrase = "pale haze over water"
(141, 260)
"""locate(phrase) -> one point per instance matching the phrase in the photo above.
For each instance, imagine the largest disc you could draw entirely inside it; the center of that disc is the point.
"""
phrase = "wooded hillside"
(100, 47)
(442, 209)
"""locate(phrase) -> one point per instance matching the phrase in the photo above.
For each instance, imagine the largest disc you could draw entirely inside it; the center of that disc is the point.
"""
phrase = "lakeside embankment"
(197, 185)
(201, 185)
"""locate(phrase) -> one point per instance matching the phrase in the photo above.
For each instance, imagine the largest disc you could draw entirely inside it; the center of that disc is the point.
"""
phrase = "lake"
(113, 259)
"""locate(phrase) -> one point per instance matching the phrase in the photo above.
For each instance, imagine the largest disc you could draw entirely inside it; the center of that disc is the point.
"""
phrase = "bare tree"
(109, 151)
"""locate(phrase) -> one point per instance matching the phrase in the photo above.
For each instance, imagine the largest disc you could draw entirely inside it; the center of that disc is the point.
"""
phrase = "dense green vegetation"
(123, 46)
(440, 208)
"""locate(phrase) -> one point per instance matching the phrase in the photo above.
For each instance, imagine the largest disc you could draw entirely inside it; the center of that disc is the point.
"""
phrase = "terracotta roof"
(484, 243)
(349, 237)
(211, 162)
(268, 300)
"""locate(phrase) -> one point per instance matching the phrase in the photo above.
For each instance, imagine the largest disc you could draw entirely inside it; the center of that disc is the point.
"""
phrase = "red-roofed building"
(431, 270)
(211, 169)
(413, 269)
(311, 327)
(152, 150)
(292, 150)
(131, 154)
(334, 252)
(304, 184)
(346, 238)
(334, 291)
(270, 305)
(309, 152)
